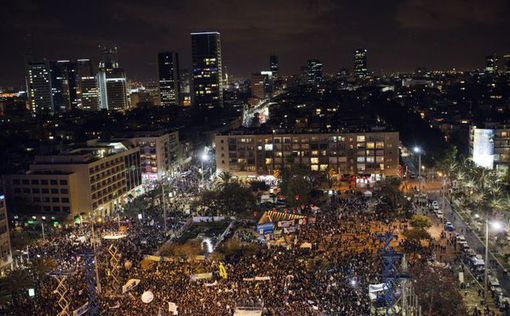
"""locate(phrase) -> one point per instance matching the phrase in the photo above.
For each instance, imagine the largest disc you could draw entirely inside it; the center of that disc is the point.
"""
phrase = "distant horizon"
(400, 35)
(327, 69)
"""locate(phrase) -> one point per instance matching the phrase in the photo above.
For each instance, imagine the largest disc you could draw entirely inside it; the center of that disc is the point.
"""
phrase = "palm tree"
(225, 179)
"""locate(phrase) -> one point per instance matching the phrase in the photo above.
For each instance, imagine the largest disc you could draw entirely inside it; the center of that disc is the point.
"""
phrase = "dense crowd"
(329, 278)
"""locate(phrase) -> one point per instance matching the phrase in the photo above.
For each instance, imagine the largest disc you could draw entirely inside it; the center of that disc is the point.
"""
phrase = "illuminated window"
(314, 160)
(360, 138)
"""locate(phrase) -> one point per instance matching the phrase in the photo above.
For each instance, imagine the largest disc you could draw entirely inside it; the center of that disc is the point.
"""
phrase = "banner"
(130, 284)
(223, 271)
(201, 276)
(373, 289)
(257, 279)
(306, 245)
(265, 229)
(172, 308)
(285, 224)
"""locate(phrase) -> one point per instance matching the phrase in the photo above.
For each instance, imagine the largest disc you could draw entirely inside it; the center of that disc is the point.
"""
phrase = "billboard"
(483, 147)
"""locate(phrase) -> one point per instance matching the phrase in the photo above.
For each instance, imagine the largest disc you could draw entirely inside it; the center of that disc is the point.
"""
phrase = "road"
(474, 242)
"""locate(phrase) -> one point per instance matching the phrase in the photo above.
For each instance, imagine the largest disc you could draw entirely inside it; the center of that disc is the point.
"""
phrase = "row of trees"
(477, 189)
(229, 197)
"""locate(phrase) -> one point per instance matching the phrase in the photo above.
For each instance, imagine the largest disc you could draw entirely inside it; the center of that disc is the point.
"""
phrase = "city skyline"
(451, 34)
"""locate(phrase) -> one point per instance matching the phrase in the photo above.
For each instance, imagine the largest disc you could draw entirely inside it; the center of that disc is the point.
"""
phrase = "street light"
(496, 226)
(417, 150)
(204, 157)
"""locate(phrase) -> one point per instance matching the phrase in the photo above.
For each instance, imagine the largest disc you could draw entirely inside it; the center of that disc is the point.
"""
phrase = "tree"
(420, 222)
(235, 248)
(190, 249)
(416, 235)
(229, 198)
(436, 288)
(391, 196)
(43, 266)
(297, 184)
(225, 178)
(258, 186)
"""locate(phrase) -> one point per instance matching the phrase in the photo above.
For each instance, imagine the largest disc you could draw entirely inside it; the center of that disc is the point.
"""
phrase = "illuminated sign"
(483, 147)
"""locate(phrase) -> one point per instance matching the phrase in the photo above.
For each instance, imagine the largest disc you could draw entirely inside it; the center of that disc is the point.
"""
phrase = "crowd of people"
(331, 277)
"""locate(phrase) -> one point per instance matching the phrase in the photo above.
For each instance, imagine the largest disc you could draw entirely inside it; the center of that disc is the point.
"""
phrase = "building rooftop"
(262, 131)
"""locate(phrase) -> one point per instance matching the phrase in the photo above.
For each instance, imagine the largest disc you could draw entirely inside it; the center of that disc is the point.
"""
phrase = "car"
(439, 214)
(449, 227)
(434, 203)
(460, 238)
(470, 252)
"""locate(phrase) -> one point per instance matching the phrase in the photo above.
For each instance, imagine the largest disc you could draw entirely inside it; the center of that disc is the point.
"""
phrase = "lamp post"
(496, 226)
(93, 241)
(163, 200)
(203, 158)
(417, 150)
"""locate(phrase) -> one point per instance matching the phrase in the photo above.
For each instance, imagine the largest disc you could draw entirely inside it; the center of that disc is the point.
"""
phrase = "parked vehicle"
(449, 227)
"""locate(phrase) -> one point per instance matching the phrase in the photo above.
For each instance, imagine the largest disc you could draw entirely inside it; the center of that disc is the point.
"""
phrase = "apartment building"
(94, 179)
(159, 151)
(5, 241)
(490, 145)
(367, 154)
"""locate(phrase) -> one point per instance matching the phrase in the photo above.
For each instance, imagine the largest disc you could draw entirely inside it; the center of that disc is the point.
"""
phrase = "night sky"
(400, 35)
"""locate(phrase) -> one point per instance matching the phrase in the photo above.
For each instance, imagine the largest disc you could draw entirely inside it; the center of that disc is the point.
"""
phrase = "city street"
(474, 242)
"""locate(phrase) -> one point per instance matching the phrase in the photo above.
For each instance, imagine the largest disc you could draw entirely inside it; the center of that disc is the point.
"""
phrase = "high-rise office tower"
(185, 87)
(87, 90)
(506, 59)
(491, 64)
(112, 82)
(5, 241)
(63, 85)
(260, 84)
(360, 63)
(314, 71)
(38, 80)
(169, 90)
(207, 70)
(274, 65)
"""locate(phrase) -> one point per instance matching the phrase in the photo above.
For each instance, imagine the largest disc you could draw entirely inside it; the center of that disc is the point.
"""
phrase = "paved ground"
(472, 294)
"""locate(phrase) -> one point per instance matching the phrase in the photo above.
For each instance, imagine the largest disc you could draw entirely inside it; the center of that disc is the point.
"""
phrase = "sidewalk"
(472, 293)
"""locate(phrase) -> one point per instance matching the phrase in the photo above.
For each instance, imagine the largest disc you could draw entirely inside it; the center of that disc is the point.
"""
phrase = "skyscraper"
(87, 90)
(360, 63)
(207, 70)
(274, 65)
(314, 71)
(506, 59)
(491, 64)
(260, 84)
(63, 85)
(5, 241)
(112, 82)
(38, 77)
(169, 90)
